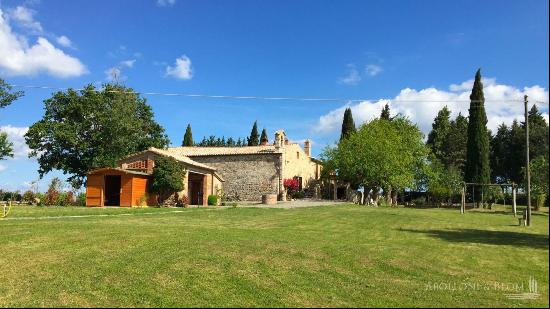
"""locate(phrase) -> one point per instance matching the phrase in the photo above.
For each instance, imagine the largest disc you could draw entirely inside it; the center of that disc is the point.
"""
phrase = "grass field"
(320, 256)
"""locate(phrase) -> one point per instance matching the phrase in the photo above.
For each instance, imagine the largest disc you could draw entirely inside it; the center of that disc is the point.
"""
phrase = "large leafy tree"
(168, 177)
(539, 180)
(437, 137)
(477, 152)
(254, 139)
(6, 147)
(91, 128)
(381, 154)
(7, 96)
(188, 137)
(440, 182)
(508, 147)
(348, 125)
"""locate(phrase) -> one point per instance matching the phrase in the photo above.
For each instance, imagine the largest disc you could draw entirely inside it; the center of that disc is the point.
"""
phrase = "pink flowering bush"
(291, 185)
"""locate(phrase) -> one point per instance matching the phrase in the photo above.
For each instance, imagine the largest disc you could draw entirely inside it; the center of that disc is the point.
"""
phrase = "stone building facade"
(251, 171)
(247, 176)
(239, 173)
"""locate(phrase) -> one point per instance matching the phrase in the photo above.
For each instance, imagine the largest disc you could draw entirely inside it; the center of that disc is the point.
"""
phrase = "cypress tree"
(455, 144)
(230, 142)
(263, 138)
(438, 135)
(538, 134)
(500, 155)
(188, 137)
(385, 112)
(254, 139)
(477, 167)
(348, 125)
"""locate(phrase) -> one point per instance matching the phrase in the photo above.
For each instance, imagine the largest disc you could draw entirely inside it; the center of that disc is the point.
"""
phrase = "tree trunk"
(375, 196)
(387, 192)
(394, 197)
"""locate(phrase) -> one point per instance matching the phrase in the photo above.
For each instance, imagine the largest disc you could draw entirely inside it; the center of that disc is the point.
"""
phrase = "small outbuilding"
(128, 184)
(117, 187)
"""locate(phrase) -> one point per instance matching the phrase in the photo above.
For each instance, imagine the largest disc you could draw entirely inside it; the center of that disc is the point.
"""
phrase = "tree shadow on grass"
(535, 241)
(508, 213)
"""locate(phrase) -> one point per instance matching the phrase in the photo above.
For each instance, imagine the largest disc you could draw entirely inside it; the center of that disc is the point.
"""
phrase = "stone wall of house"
(246, 176)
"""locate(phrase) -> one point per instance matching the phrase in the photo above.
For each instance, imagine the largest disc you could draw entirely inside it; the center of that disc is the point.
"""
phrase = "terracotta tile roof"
(220, 151)
(180, 157)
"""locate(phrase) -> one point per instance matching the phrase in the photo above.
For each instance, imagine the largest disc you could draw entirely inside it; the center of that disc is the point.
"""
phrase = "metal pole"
(462, 199)
(514, 199)
(527, 167)
(474, 196)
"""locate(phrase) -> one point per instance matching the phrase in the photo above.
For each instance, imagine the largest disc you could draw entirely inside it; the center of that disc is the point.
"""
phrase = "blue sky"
(384, 51)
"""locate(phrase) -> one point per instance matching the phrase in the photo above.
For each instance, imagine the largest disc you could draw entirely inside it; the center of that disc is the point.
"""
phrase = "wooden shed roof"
(118, 169)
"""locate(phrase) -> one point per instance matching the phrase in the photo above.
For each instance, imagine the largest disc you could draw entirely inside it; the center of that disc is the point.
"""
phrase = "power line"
(282, 98)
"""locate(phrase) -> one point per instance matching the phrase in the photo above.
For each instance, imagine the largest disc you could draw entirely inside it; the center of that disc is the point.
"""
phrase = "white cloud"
(182, 68)
(421, 106)
(128, 63)
(18, 58)
(115, 73)
(373, 70)
(352, 78)
(16, 135)
(2, 167)
(25, 17)
(64, 41)
(166, 2)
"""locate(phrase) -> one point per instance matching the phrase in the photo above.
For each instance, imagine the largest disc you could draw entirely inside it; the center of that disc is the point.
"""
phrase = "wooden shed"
(117, 187)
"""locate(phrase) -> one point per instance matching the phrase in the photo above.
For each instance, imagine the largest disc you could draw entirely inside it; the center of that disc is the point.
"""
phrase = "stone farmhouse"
(241, 173)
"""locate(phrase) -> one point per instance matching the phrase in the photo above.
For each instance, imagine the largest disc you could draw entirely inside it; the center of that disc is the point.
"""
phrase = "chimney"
(277, 141)
(307, 147)
(280, 139)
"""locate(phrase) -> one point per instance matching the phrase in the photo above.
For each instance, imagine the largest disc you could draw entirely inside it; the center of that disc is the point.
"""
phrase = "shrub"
(40, 198)
(291, 185)
(52, 196)
(28, 196)
(65, 199)
(80, 199)
(419, 201)
(212, 200)
(11, 196)
(540, 199)
(298, 195)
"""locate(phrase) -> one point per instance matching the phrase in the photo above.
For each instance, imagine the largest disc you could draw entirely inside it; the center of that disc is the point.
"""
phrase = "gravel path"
(294, 204)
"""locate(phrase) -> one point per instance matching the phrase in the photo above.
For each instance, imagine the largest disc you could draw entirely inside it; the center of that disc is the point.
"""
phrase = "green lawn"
(321, 256)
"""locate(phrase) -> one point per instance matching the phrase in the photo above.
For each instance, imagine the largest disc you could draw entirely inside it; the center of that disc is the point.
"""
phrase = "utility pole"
(527, 167)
